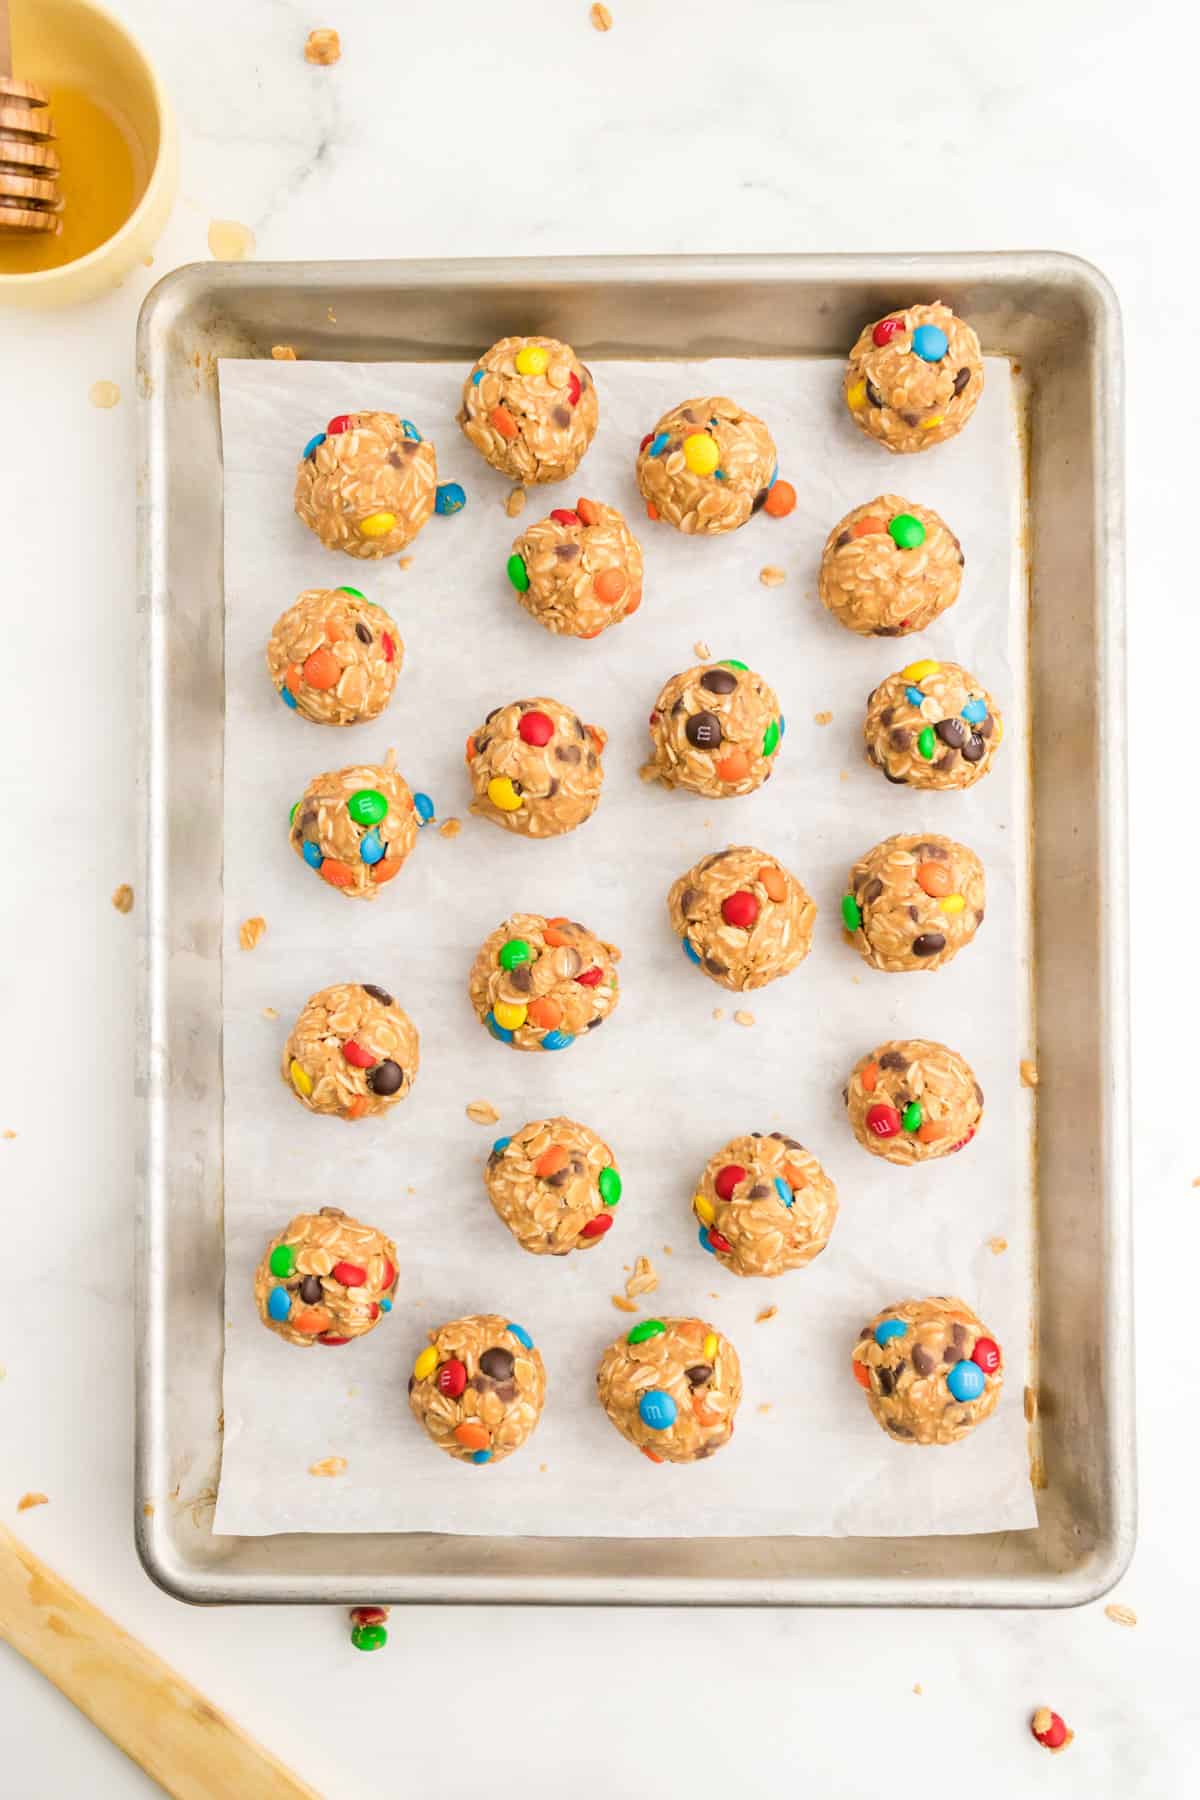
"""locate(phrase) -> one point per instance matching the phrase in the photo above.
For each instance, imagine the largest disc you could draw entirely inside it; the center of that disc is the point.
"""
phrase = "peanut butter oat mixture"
(352, 1053)
(367, 483)
(538, 983)
(325, 1279)
(912, 1100)
(354, 827)
(742, 917)
(555, 1184)
(890, 568)
(478, 1387)
(529, 407)
(914, 902)
(714, 730)
(706, 466)
(765, 1205)
(672, 1388)
(914, 377)
(932, 725)
(578, 571)
(930, 1369)
(334, 657)
(535, 767)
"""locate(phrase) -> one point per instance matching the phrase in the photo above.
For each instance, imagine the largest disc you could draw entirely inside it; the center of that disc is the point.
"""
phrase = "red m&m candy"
(562, 516)
(598, 1226)
(451, 1378)
(590, 977)
(349, 1274)
(357, 1057)
(883, 1120)
(535, 728)
(389, 647)
(727, 1179)
(740, 910)
(987, 1354)
(574, 389)
(886, 330)
(341, 423)
(718, 1241)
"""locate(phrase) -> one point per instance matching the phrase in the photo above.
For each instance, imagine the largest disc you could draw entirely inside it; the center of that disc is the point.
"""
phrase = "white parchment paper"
(666, 1082)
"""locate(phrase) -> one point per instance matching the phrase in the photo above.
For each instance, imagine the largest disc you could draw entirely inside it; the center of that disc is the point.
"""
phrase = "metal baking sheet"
(1058, 322)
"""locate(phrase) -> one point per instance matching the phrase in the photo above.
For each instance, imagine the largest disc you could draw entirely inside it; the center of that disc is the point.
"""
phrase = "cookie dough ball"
(355, 827)
(706, 466)
(933, 725)
(912, 1100)
(367, 483)
(478, 1387)
(742, 917)
(890, 568)
(714, 729)
(535, 768)
(578, 572)
(672, 1387)
(352, 1053)
(914, 378)
(930, 1370)
(334, 657)
(530, 408)
(325, 1279)
(555, 1185)
(538, 984)
(765, 1205)
(914, 902)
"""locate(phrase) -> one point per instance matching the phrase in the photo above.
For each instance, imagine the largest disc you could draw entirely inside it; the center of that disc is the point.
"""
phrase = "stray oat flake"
(622, 1304)
(250, 931)
(997, 1245)
(123, 898)
(743, 1018)
(283, 353)
(644, 1279)
(701, 651)
(1121, 1615)
(449, 828)
(768, 1312)
(1029, 1074)
(601, 18)
(322, 47)
(823, 718)
(28, 1500)
(482, 1112)
(329, 1465)
(515, 502)
(772, 576)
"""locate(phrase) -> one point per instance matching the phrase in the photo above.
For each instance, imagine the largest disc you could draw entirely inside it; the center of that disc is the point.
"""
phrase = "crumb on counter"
(997, 1245)
(269, 1012)
(449, 828)
(624, 1305)
(123, 898)
(329, 1465)
(283, 353)
(1029, 1073)
(482, 1112)
(1120, 1615)
(515, 502)
(823, 718)
(28, 1500)
(104, 394)
(644, 1278)
(768, 1312)
(601, 18)
(741, 1017)
(772, 575)
(322, 47)
(250, 932)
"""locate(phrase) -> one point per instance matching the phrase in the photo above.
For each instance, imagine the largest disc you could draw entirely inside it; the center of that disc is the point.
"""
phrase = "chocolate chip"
(793, 1143)
(498, 1363)
(568, 753)
(687, 900)
(872, 891)
(559, 1179)
(974, 748)
(886, 631)
(698, 1374)
(759, 1191)
(888, 713)
(378, 993)
(896, 780)
(561, 417)
(952, 732)
(923, 1363)
(521, 978)
(718, 681)
(481, 744)
(679, 706)
(949, 1354)
(689, 415)
(704, 730)
(565, 552)
(979, 1093)
(931, 852)
(874, 395)
(591, 759)
(900, 738)
(311, 1290)
(866, 1332)
(985, 726)
(945, 759)
(979, 915)
(884, 1377)
(898, 1430)
(395, 460)
(842, 538)
(959, 1333)
(362, 633)
(893, 1059)
(760, 500)
(386, 1077)
(593, 1024)
(553, 788)
(961, 380)
(332, 1212)
(928, 944)
(492, 714)
(716, 857)
(412, 1382)
(714, 967)
(845, 1096)
(911, 418)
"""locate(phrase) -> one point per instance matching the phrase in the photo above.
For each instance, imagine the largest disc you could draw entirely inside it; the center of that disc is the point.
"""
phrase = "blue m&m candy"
(966, 1381)
(501, 1145)
(313, 445)
(706, 1241)
(481, 1456)
(784, 1191)
(689, 950)
(385, 1304)
(657, 1409)
(520, 1333)
(477, 377)
(930, 343)
(887, 1329)
(557, 1040)
(424, 807)
(660, 443)
(410, 431)
(498, 1031)
(371, 848)
(451, 498)
(975, 711)
(279, 1305)
(287, 696)
(913, 695)
(312, 854)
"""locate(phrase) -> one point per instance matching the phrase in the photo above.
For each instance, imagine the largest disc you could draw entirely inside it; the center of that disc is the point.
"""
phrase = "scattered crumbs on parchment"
(8, 1136)
(123, 898)
(269, 1012)
(1029, 1073)
(449, 828)
(322, 47)
(624, 1305)
(412, 1190)
(768, 1312)
(713, 1294)
(997, 1245)
(328, 1465)
(283, 353)
(718, 1012)
(917, 1688)
(667, 1250)
(406, 562)
(515, 502)
(644, 1279)
(230, 241)
(28, 1500)
(104, 394)
(823, 718)
(601, 18)
(250, 931)
(843, 774)
(1120, 1615)
(856, 979)
(701, 650)
(1037, 1474)
(542, 1468)
(331, 315)
(741, 1017)
(764, 1406)
(1031, 1405)
(147, 1509)
(482, 1112)
(772, 575)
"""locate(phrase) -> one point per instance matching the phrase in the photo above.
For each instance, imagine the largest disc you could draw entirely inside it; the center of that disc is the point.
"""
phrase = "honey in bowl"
(103, 172)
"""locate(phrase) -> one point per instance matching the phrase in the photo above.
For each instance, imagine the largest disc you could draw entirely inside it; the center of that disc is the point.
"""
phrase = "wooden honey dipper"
(29, 194)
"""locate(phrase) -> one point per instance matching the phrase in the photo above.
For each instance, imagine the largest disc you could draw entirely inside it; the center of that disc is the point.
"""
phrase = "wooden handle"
(159, 1720)
(5, 40)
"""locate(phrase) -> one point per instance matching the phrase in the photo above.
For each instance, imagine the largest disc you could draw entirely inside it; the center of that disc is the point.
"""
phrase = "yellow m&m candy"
(704, 1209)
(919, 670)
(377, 524)
(953, 903)
(502, 793)
(425, 1364)
(301, 1079)
(856, 396)
(711, 1344)
(508, 1016)
(700, 453)
(532, 360)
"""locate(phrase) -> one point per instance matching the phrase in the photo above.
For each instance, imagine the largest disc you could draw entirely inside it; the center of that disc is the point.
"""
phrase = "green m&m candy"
(911, 1117)
(851, 916)
(926, 743)
(771, 738)
(731, 662)
(647, 1328)
(906, 532)
(283, 1261)
(369, 1637)
(292, 814)
(356, 593)
(515, 951)
(609, 1184)
(518, 574)
(367, 806)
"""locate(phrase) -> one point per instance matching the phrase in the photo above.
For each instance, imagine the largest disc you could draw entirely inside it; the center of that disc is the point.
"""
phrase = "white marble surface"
(817, 126)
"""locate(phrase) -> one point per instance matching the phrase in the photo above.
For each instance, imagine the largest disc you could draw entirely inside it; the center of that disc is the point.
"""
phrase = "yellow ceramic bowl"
(106, 98)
